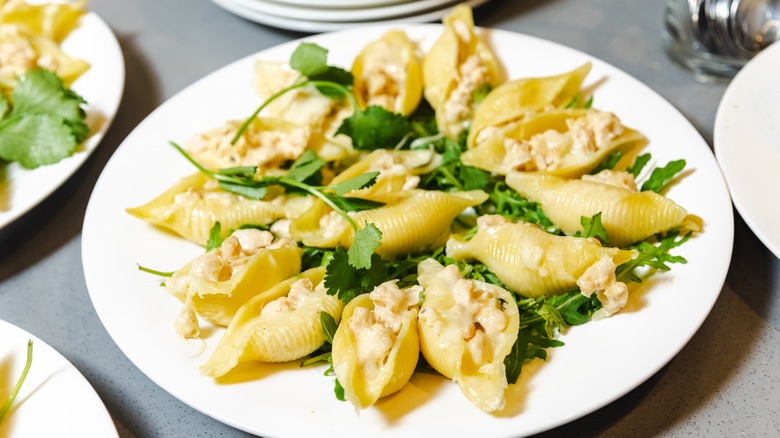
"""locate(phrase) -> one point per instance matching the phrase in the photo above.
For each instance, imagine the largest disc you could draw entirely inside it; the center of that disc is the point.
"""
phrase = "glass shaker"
(715, 38)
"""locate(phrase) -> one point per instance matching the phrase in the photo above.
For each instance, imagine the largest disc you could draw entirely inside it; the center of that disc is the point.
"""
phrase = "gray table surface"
(725, 382)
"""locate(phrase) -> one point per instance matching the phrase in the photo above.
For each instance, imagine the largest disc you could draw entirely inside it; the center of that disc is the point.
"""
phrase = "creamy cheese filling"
(376, 330)
(617, 178)
(300, 291)
(600, 278)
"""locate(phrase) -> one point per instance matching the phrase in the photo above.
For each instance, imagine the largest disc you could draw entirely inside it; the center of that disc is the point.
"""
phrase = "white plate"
(600, 362)
(55, 399)
(101, 86)
(346, 15)
(341, 4)
(314, 26)
(747, 144)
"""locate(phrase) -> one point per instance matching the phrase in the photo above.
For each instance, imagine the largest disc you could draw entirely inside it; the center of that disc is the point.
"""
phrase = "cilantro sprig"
(46, 121)
(19, 382)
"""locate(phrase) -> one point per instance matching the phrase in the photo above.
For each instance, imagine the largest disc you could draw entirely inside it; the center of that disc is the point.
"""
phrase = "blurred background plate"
(341, 4)
(747, 144)
(346, 15)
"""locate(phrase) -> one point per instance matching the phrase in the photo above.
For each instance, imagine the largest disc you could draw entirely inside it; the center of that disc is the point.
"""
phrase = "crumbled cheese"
(256, 147)
(384, 86)
(458, 106)
(222, 263)
(17, 54)
(600, 278)
(549, 149)
(332, 225)
(186, 324)
(300, 290)
(617, 178)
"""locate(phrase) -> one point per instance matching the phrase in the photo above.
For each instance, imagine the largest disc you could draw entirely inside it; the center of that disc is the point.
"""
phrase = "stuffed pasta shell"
(567, 143)
(266, 143)
(388, 73)
(215, 284)
(627, 215)
(376, 346)
(529, 260)
(516, 100)
(467, 328)
(457, 66)
(278, 325)
(411, 222)
(192, 206)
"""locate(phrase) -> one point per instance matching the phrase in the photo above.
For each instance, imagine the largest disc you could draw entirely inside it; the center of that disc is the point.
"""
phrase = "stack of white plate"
(328, 15)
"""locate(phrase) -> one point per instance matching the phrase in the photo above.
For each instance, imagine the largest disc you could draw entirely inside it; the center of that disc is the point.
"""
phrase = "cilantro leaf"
(375, 128)
(366, 240)
(309, 59)
(352, 204)
(356, 183)
(36, 139)
(306, 166)
(346, 281)
(40, 91)
(662, 175)
(19, 382)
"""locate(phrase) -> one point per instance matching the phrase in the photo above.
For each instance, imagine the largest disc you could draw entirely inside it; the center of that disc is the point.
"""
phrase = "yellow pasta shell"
(513, 100)
(443, 346)
(252, 337)
(194, 217)
(414, 221)
(360, 389)
(628, 216)
(489, 155)
(218, 301)
(395, 58)
(441, 65)
(531, 261)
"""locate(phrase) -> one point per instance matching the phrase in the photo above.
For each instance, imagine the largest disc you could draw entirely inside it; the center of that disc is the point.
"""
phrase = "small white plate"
(55, 399)
(747, 144)
(346, 15)
(600, 362)
(101, 86)
(315, 26)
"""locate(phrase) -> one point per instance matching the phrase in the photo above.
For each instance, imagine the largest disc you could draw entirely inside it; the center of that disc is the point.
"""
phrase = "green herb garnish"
(19, 382)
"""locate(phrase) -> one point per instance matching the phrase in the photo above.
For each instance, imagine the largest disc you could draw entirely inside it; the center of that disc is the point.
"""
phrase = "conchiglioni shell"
(413, 222)
(445, 349)
(513, 100)
(361, 390)
(68, 68)
(194, 217)
(395, 55)
(628, 216)
(441, 65)
(489, 155)
(251, 337)
(531, 261)
(218, 301)
(408, 163)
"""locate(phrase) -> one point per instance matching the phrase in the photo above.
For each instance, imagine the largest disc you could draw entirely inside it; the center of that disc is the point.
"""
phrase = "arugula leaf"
(653, 256)
(215, 237)
(592, 227)
(608, 163)
(481, 92)
(328, 326)
(366, 240)
(251, 192)
(339, 391)
(375, 128)
(639, 163)
(662, 175)
(154, 272)
(19, 382)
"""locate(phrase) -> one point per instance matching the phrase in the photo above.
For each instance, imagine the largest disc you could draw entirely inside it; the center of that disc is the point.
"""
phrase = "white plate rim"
(418, 7)
(340, 4)
(314, 26)
(102, 87)
(685, 299)
(79, 409)
(749, 161)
